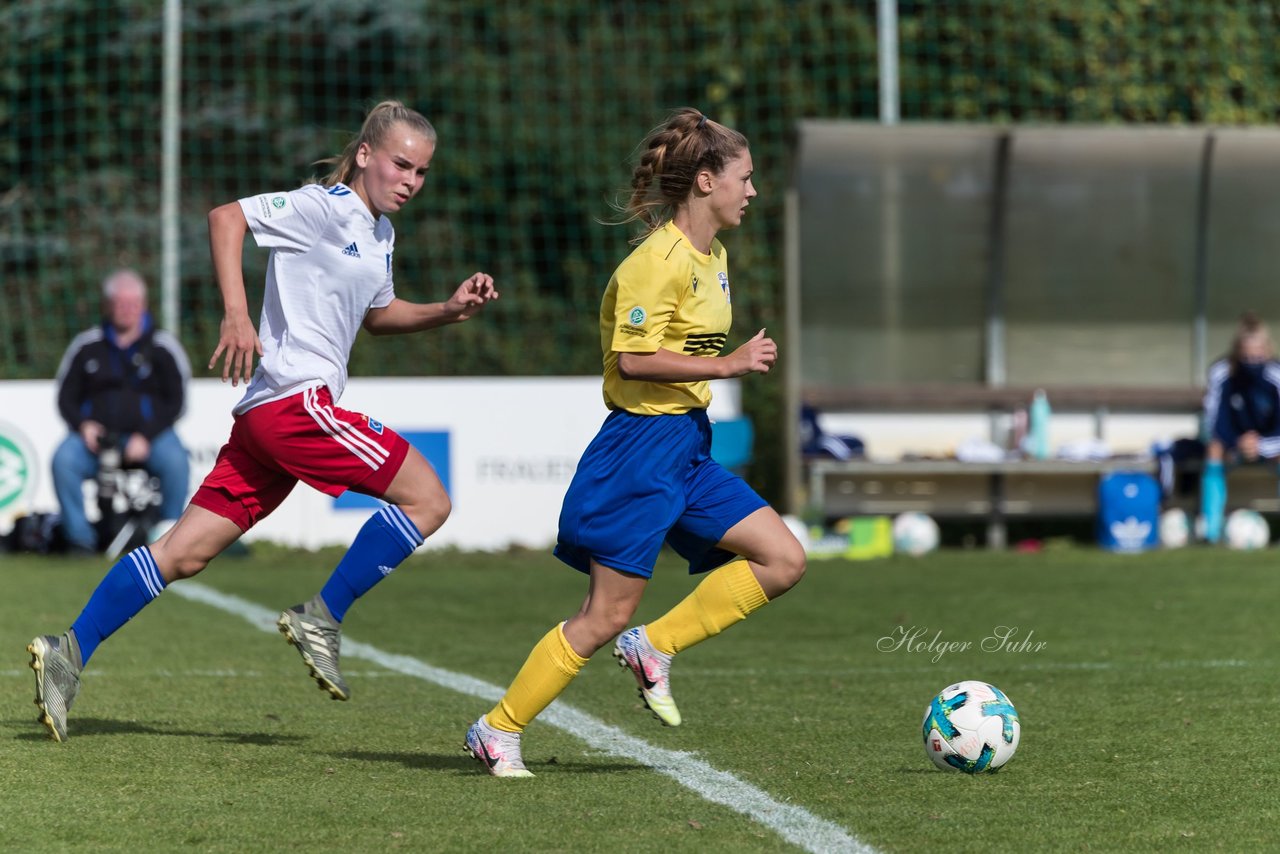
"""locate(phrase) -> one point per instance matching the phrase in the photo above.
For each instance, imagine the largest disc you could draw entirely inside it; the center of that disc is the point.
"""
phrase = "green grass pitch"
(1147, 686)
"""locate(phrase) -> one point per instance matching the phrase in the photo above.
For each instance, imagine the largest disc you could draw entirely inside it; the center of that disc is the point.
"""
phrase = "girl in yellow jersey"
(648, 477)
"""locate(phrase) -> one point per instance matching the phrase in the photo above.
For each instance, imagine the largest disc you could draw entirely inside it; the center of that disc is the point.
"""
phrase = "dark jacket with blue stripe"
(1238, 401)
(135, 389)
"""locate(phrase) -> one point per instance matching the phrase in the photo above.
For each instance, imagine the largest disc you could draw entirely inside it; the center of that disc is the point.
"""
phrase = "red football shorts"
(303, 437)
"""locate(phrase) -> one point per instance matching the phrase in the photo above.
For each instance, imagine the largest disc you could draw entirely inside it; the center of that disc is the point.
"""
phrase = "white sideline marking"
(730, 673)
(735, 672)
(218, 673)
(794, 824)
(1180, 664)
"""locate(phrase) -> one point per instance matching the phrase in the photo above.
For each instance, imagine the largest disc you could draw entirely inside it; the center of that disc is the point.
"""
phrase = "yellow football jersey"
(665, 294)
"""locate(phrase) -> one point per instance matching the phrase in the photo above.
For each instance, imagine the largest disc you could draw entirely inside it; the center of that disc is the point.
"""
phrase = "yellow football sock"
(723, 598)
(547, 671)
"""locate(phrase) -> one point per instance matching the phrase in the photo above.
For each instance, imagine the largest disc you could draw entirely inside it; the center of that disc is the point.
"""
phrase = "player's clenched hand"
(754, 357)
(238, 340)
(471, 296)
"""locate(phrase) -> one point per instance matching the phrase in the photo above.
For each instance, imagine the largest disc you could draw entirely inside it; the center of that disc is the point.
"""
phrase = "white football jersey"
(330, 263)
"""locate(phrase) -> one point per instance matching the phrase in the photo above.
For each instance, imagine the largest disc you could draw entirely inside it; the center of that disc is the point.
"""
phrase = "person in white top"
(329, 274)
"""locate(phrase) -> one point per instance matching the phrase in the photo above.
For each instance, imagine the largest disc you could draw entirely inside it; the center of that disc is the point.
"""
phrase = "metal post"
(1200, 286)
(887, 51)
(169, 158)
(996, 370)
(891, 177)
(997, 529)
(791, 338)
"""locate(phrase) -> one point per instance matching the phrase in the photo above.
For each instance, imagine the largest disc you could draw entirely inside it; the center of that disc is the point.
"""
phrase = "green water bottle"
(1038, 429)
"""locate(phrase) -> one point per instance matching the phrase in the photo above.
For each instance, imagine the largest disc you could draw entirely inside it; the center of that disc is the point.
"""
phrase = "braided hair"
(671, 157)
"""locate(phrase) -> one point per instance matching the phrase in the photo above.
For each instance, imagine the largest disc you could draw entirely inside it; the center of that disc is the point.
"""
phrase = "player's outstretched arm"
(665, 366)
(400, 316)
(237, 339)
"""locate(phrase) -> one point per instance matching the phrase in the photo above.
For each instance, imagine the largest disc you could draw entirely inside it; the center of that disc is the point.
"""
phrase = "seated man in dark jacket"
(124, 381)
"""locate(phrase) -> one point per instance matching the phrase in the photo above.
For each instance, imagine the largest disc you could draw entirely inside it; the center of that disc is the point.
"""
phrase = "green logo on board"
(17, 475)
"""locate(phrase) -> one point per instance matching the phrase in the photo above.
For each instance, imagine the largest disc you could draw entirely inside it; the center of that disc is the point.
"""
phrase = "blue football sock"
(382, 544)
(1213, 499)
(123, 592)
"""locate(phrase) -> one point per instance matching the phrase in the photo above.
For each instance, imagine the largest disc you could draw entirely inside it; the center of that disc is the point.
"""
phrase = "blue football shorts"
(646, 479)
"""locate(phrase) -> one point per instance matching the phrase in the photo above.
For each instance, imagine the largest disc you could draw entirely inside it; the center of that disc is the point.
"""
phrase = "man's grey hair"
(123, 278)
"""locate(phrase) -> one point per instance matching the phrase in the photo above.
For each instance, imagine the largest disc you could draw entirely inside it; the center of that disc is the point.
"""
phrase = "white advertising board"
(506, 448)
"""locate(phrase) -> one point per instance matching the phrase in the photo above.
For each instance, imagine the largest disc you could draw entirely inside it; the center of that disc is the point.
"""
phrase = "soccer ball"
(1175, 528)
(915, 534)
(1247, 530)
(971, 727)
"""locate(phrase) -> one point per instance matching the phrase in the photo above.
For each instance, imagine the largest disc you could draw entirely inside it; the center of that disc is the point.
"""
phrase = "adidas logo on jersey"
(352, 251)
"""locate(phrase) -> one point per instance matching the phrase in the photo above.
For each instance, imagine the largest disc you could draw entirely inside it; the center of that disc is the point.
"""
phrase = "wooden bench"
(995, 491)
(951, 398)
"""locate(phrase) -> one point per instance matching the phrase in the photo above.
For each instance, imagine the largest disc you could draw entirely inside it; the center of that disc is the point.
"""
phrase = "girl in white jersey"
(329, 274)
(648, 477)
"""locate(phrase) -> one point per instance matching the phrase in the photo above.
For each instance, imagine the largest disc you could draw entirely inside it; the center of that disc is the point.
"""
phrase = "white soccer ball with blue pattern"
(914, 534)
(971, 727)
(1246, 530)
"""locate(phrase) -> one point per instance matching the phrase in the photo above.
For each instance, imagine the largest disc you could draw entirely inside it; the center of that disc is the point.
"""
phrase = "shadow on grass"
(89, 727)
(463, 762)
